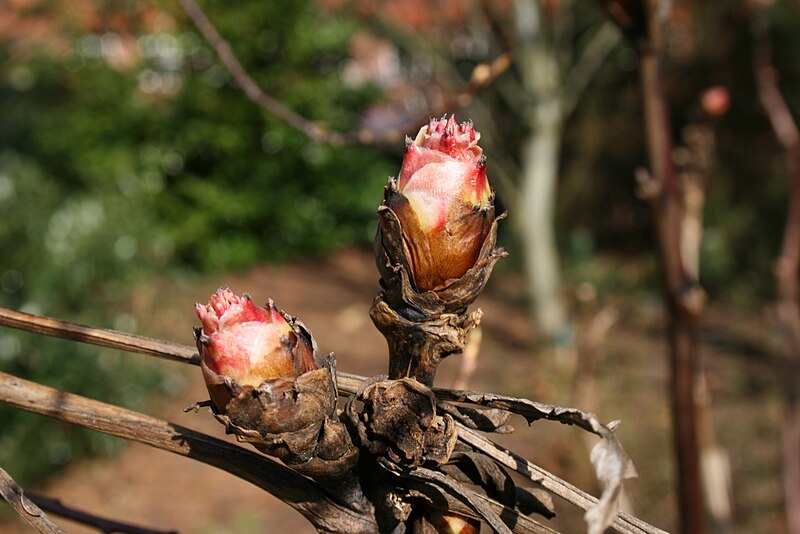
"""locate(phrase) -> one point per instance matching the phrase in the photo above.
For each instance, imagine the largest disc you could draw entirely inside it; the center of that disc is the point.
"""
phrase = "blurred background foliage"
(127, 151)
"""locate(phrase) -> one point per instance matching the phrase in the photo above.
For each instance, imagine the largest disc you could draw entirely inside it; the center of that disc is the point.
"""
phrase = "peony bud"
(444, 202)
(270, 386)
(435, 248)
(248, 344)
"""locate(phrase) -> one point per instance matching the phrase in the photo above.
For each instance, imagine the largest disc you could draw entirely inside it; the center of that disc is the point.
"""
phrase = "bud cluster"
(435, 250)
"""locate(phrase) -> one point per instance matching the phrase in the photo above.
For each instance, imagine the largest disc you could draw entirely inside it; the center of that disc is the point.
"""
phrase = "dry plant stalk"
(259, 470)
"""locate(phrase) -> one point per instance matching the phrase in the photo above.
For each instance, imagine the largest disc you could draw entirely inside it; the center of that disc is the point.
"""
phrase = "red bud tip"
(442, 184)
(245, 342)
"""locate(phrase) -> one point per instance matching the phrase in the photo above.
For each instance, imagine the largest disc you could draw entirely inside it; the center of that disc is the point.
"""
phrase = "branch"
(248, 85)
(295, 490)
(482, 75)
(56, 507)
(347, 384)
(13, 495)
(590, 60)
(48, 326)
(788, 264)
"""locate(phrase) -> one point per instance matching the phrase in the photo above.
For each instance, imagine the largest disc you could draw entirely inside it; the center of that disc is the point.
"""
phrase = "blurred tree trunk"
(541, 80)
(552, 90)
(683, 297)
(537, 217)
(787, 267)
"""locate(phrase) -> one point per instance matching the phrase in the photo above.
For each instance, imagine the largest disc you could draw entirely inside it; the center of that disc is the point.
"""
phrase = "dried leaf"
(612, 466)
(610, 461)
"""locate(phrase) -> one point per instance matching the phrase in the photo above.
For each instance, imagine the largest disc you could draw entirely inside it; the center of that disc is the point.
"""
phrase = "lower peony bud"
(248, 344)
(270, 386)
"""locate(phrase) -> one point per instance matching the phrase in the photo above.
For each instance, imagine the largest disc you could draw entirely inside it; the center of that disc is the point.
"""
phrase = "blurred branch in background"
(787, 266)
(643, 22)
(56, 507)
(483, 75)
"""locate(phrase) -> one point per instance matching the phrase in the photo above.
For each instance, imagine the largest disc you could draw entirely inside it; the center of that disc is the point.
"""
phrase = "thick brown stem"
(681, 327)
(416, 348)
(682, 333)
(296, 491)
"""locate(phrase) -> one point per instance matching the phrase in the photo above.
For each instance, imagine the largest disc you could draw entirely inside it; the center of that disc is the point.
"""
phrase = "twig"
(682, 330)
(483, 74)
(98, 336)
(590, 60)
(246, 82)
(295, 490)
(14, 496)
(108, 526)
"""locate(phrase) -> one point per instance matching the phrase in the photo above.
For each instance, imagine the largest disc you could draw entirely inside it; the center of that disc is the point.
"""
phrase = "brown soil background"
(332, 296)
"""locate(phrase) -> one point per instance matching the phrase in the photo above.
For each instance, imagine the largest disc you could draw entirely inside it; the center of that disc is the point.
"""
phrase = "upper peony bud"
(250, 344)
(444, 202)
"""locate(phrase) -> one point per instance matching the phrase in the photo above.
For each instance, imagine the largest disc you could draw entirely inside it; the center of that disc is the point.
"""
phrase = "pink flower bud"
(443, 202)
(248, 344)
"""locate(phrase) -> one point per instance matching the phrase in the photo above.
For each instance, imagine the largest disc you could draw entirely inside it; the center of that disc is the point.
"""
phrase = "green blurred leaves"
(126, 150)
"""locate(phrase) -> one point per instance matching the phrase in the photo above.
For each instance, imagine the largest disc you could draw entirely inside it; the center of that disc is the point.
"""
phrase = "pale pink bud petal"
(443, 201)
(247, 343)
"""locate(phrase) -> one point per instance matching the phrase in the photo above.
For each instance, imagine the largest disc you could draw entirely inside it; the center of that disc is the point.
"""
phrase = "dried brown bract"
(399, 421)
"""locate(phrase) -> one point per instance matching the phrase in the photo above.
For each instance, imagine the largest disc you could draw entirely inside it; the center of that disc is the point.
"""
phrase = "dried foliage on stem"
(296, 491)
